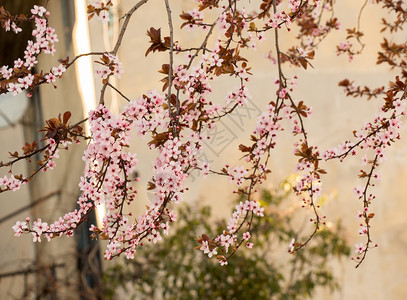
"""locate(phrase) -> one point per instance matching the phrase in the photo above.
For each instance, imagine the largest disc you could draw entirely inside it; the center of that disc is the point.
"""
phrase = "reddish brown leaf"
(244, 148)
(67, 115)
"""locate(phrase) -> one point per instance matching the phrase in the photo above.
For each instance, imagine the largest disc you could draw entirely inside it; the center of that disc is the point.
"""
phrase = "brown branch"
(120, 93)
(30, 270)
(82, 55)
(119, 41)
(171, 65)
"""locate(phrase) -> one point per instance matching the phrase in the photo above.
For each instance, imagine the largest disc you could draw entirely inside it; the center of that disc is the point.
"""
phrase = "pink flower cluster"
(223, 24)
(44, 41)
(197, 20)
(106, 177)
(229, 238)
(239, 96)
(103, 14)
(294, 5)
(207, 250)
(237, 175)
(110, 66)
(10, 183)
(345, 47)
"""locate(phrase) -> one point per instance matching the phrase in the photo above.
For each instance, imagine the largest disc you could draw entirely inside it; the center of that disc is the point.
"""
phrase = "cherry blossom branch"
(367, 217)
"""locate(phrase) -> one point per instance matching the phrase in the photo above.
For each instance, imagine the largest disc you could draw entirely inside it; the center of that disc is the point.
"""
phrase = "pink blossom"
(358, 191)
(359, 248)
(38, 10)
(15, 88)
(19, 228)
(291, 246)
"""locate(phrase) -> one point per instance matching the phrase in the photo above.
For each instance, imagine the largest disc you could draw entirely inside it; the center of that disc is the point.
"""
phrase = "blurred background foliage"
(172, 269)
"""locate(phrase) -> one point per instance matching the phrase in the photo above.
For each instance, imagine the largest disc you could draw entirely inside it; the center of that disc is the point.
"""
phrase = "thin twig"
(120, 93)
(82, 55)
(119, 41)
